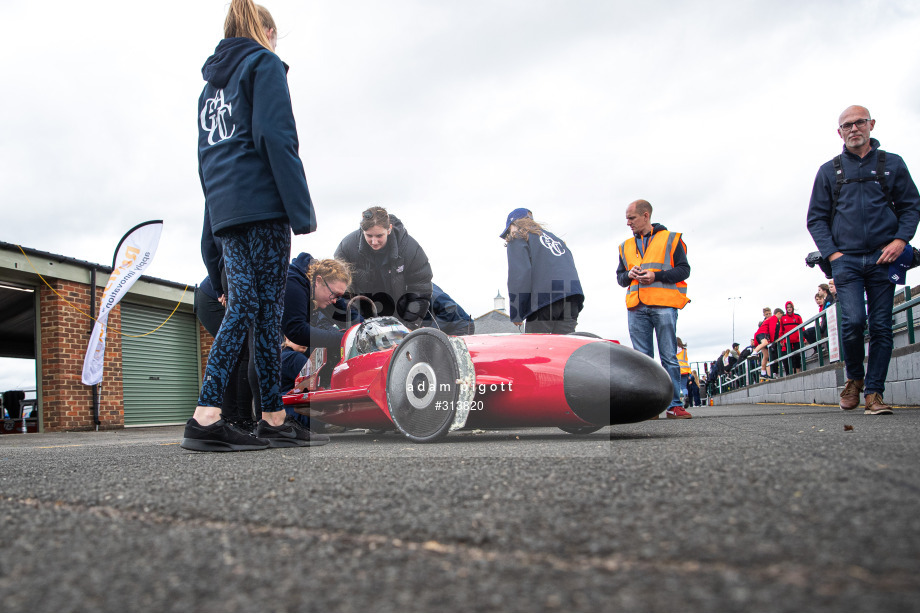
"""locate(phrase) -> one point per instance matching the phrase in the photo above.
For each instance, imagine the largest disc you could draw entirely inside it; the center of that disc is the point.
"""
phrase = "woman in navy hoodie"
(255, 194)
(543, 285)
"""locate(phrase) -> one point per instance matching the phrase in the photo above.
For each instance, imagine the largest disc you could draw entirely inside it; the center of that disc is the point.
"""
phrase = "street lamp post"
(733, 299)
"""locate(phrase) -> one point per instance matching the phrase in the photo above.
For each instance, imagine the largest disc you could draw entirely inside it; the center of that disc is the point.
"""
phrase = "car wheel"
(423, 389)
(580, 430)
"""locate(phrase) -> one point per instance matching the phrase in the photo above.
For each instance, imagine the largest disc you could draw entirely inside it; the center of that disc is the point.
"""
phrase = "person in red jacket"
(765, 335)
(787, 322)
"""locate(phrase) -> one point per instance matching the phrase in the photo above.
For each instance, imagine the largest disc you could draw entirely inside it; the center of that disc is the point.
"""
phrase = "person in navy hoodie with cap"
(255, 195)
(543, 285)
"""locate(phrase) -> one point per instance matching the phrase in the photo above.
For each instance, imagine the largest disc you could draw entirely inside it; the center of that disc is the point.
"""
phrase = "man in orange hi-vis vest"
(653, 268)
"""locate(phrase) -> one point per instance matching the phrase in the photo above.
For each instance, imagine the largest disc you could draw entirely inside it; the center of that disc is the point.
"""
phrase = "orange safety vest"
(659, 256)
(683, 361)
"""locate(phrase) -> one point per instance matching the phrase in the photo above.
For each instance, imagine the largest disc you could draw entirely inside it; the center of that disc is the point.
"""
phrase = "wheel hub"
(422, 383)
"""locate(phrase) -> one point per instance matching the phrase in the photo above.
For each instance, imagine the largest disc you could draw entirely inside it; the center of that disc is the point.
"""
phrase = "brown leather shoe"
(849, 397)
(875, 406)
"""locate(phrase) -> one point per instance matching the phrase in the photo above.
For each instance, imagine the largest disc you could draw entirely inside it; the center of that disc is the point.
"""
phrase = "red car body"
(427, 384)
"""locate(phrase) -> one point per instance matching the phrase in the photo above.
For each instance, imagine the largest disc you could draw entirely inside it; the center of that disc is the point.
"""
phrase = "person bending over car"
(388, 266)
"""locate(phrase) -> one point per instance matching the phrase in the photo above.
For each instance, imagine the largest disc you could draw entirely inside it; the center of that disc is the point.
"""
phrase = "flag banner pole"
(134, 253)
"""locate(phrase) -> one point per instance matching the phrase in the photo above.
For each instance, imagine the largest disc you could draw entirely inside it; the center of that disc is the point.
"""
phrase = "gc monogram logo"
(213, 120)
(554, 246)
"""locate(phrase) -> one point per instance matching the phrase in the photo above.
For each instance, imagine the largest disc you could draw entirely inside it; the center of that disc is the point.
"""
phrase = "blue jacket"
(208, 288)
(864, 222)
(304, 325)
(291, 364)
(248, 163)
(541, 271)
(445, 314)
(212, 253)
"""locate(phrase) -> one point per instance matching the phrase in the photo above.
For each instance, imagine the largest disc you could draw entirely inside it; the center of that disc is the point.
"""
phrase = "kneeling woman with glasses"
(314, 312)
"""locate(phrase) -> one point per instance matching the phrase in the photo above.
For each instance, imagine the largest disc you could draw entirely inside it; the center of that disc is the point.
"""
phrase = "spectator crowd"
(772, 349)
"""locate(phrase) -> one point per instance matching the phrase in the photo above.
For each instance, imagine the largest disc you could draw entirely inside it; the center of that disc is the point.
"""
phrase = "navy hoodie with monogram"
(541, 271)
(247, 142)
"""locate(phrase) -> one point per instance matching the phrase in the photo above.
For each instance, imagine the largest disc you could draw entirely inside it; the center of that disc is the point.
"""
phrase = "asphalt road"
(743, 508)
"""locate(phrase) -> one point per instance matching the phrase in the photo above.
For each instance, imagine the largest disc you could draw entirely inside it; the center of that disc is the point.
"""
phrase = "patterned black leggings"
(256, 260)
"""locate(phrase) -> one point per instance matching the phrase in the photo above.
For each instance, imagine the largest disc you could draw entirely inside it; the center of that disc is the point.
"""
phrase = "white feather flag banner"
(134, 253)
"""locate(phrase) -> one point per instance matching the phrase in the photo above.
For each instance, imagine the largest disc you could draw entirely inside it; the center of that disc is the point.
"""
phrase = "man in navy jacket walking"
(864, 209)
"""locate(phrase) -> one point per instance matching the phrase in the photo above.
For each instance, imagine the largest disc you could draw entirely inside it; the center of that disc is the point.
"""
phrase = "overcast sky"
(451, 114)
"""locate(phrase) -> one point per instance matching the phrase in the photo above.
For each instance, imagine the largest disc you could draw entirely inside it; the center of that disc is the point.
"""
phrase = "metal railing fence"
(813, 336)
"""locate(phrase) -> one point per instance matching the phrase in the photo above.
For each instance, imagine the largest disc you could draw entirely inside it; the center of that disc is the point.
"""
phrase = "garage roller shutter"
(159, 371)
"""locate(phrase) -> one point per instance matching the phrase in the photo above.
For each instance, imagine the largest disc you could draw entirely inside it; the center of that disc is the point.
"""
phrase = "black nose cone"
(606, 383)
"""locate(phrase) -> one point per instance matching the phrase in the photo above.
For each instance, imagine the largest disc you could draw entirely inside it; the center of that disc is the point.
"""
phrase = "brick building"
(149, 378)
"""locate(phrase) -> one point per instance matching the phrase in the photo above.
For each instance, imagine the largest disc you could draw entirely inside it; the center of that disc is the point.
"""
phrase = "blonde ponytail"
(246, 19)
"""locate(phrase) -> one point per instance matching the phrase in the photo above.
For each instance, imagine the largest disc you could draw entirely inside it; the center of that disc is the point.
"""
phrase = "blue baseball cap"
(897, 270)
(514, 215)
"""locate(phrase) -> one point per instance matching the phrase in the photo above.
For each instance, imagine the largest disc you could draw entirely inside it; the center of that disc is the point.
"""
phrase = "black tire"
(580, 430)
(581, 333)
(422, 389)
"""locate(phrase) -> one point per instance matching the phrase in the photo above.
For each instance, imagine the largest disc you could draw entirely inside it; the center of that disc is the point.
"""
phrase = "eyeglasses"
(335, 295)
(859, 123)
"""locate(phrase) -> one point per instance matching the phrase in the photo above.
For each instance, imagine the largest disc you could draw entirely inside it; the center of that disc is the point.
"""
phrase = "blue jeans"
(858, 278)
(643, 320)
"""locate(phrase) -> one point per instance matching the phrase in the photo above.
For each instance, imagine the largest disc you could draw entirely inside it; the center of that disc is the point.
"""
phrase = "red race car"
(425, 384)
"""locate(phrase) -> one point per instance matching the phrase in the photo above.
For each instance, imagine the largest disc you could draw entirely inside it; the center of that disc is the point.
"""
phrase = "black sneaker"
(289, 435)
(219, 437)
(244, 424)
